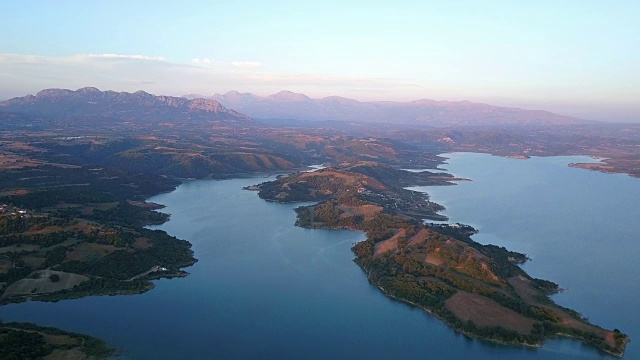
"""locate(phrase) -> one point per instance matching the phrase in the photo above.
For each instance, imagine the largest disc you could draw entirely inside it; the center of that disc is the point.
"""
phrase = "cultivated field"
(485, 312)
(43, 284)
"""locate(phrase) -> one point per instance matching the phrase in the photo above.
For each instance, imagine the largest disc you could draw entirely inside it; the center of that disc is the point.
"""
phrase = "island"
(478, 290)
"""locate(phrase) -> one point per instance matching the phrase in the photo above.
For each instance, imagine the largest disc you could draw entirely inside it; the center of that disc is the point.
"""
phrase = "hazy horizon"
(576, 58)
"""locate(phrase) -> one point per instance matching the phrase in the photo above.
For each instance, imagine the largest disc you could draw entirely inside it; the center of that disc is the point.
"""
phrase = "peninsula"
(64, 240)
(28, 341)
(476, 289)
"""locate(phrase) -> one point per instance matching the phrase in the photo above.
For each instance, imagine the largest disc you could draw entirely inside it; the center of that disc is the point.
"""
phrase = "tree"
(54, 277)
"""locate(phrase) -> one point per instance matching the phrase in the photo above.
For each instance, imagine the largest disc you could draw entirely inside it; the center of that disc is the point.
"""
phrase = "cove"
(266, 289)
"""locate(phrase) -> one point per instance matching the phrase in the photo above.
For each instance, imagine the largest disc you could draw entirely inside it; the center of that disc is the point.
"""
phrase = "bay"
(266, 289)
(579, 227)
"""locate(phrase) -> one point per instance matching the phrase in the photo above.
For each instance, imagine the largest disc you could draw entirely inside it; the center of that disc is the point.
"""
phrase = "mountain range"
(90, 102)
(290, 105)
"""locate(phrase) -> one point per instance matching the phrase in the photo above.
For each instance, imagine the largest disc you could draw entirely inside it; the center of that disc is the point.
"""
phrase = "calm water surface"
(265, 289)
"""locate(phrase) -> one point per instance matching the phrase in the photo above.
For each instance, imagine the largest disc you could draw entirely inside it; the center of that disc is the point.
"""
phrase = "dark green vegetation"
(22, 341)
(73, 231)
(476, 289)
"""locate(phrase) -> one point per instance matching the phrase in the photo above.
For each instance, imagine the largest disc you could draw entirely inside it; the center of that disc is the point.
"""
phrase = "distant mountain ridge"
(290, 105)
(138, 106)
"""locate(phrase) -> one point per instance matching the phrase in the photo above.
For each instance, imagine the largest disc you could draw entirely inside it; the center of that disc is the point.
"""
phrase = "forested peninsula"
(476, 289)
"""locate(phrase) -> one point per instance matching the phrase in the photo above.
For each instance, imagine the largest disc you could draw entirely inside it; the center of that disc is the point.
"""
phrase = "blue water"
(265, 289)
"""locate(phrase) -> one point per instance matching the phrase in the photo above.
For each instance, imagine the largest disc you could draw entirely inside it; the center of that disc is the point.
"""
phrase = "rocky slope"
(139, 106)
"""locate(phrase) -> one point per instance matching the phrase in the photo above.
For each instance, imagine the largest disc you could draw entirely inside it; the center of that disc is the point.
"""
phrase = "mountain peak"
(53, 93)
(205, 105)
(89, 90)
(339, 100)
(286, 95)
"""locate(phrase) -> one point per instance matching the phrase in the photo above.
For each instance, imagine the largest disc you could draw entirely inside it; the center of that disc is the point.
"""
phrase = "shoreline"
(389, 295)
(545, 329)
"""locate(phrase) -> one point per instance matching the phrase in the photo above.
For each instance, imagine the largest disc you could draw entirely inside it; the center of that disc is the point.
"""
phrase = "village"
(12, 211)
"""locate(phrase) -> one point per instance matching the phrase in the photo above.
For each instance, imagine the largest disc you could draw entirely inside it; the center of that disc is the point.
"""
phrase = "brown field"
(390, 244)
(351, 179)
(21, 146)
(68, 242)
(12, 162)
(368, 211)
(90, 251)
(266, 161)
(60, 340)
(84, 225)
(593, 166)
(22, 247)
(524, 289)
(71, 354)
(43, 285)
(18, 192)
(528, 293)
(434, 260)
(5, 265)
(33, 261)
(419, 238)
(485, 312)
(45, 230)
(142, 243)
(88, 210)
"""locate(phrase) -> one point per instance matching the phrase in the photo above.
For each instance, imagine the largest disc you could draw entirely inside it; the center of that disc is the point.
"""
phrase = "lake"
(266, 289)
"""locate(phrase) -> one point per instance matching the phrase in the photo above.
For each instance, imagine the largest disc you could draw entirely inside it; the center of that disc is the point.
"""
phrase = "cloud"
(24, 74)
(246, 64)
(27, 74)
(36, 59)
(119, 56)
(234, 64)
(198, 61)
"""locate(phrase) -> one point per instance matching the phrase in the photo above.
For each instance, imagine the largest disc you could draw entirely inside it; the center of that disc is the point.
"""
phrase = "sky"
(579, 58)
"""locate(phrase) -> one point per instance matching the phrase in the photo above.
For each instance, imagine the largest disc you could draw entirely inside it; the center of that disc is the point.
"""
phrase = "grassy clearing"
(42, 284)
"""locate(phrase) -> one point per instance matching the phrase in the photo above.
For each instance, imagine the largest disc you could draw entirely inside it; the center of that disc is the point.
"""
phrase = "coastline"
(553, 313)
(470, 335)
